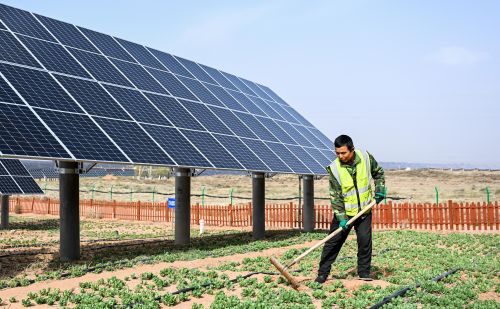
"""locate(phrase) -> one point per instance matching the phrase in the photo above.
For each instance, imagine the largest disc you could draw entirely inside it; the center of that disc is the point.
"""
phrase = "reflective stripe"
(335, 171)
(355, 206)
(367, 163)
(360, 191)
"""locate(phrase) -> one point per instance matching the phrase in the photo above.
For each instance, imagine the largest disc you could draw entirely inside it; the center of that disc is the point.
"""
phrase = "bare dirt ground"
(417, 184)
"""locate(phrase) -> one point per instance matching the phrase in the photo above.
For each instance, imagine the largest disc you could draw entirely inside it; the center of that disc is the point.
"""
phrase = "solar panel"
(54, 57)
(15, 179)
(11, 50)
(67, 92)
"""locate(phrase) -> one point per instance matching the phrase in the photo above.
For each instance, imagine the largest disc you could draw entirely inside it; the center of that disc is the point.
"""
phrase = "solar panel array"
(71, 93)
(15, 179)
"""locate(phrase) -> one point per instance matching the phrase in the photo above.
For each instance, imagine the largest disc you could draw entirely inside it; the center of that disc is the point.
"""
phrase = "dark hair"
(344, 140)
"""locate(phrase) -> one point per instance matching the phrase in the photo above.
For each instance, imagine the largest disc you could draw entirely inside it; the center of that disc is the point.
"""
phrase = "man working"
(350, 191)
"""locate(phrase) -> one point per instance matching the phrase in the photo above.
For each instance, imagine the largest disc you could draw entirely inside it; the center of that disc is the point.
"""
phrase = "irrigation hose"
(403, 291)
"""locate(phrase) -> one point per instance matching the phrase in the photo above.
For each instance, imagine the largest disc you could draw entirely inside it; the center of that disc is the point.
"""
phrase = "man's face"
(344, 154)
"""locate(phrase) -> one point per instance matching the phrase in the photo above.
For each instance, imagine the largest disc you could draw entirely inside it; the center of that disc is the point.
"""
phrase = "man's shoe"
(365, 277)
(321, 279)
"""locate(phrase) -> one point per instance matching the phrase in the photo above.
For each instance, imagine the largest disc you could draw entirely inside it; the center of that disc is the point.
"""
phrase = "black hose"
(406, 289)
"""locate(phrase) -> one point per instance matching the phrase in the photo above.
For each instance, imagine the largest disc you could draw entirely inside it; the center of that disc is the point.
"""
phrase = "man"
(350, 191)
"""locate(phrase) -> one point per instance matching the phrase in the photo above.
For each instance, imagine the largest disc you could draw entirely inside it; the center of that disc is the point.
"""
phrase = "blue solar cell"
(241, 152)
(137, 105)
(329, 154)
(82, 136)
(217, 76)
(24, 135)
(15, 167)
(107, 44)
(195, 69)
(174, 111)
(23, 22)
(54, 57)
(283, 112)
(273, 94)
(290, 130)
(100, 67)
(28, 185)
(139, 76)
(247, 103)
(7, 94)
(276, 130)
(209, 146)
(141, 54)
(310, 137)
(298, 116)
(136, 144)
(256, 127)
(2, 26)
(233, 122)
(3, 171)
(8, 186)
(200, 91)
(295, 164)
(267, 156)
(172, 84)
(38, 88)
(11, 50)
(319, 156)
(323, 138)
(271, 113)
(92, 97)
(170, 62)
(67, 34)
(238, 83)
(224, 97)
(256, 89)
(306, 158)
(205, 116)
(177, 146)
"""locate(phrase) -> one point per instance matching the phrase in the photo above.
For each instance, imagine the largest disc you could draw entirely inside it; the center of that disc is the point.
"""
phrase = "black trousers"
(363, 227)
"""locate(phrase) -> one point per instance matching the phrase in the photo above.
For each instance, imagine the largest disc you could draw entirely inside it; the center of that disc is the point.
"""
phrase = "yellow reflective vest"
(357, 194)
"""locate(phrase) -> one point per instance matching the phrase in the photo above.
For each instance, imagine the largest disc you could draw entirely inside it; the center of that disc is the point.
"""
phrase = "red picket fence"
(445, 216)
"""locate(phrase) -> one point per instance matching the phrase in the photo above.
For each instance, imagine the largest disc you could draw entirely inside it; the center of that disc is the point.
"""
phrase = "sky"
(410, 81)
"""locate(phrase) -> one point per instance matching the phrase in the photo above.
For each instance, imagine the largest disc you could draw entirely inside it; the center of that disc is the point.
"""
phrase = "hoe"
(284, 269)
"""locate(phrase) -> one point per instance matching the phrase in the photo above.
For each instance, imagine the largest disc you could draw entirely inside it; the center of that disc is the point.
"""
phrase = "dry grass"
(417, 184)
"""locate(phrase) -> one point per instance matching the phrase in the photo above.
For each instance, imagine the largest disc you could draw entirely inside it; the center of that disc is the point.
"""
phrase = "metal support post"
(182, 205)
(69, 211)
(308, 203)
(258, 209)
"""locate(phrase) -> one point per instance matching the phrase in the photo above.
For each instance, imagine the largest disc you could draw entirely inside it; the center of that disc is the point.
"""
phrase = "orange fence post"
(138, 207)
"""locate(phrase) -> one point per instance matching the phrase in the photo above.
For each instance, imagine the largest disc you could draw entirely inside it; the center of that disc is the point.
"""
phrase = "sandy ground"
(202, 264)
(417, 184)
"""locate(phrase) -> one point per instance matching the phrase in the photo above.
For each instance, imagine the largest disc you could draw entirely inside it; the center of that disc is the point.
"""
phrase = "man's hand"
(379, 195)
(343, 224)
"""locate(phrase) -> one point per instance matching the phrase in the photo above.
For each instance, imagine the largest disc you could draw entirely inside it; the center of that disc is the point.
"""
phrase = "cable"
(403, 291)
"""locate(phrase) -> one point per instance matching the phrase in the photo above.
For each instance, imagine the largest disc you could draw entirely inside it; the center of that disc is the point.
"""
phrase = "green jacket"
(336, 198)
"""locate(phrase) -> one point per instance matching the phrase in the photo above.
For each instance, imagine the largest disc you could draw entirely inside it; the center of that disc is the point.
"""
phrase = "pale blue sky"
(413, 81)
